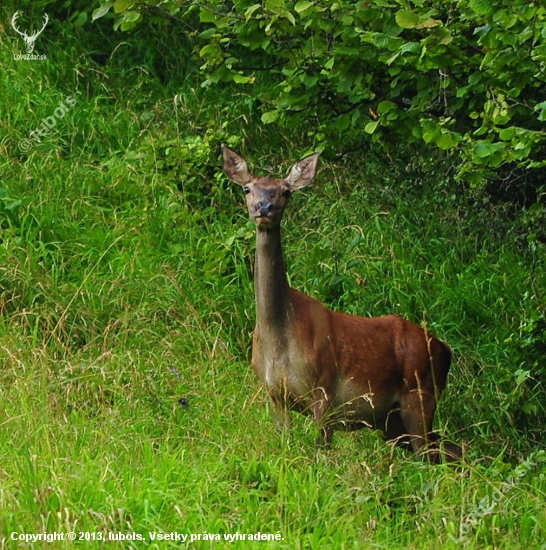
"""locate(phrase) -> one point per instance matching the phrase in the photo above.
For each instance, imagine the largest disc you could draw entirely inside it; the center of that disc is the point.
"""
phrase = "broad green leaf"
(411, 47)
(482, 7)
(275, 6)
(382, 40)
(342, 123)
(103, 10)
(208, 34)
(431, 135)
(385, 106)
(81, 19)
(251, 10)
(505, 18)
(303, 5)
(241, 79)
(429, 23)
(447, 140)
(484, 148)
(431, 130)
(406, 19)
(121, 5)
(210, 50)
(206, 16)
(507, 134)
(409, 20)
(131, 16)
(129, 20)
(270, 116)
(371, 126)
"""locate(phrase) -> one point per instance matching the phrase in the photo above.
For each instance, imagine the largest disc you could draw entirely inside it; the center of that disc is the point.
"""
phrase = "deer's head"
(267, 197)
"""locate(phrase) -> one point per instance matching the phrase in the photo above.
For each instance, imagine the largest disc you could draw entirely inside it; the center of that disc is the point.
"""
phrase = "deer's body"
(345, 370)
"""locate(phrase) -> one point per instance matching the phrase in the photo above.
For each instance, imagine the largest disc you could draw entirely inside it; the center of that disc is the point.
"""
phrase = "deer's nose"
(263, 208)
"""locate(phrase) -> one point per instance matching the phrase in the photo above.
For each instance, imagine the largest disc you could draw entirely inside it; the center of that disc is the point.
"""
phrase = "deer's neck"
(271, 285)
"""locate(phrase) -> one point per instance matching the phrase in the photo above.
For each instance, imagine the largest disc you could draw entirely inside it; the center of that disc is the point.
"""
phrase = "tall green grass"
(127, 310)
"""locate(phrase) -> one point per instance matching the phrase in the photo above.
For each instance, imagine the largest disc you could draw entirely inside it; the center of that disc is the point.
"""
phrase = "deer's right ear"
(235, 166)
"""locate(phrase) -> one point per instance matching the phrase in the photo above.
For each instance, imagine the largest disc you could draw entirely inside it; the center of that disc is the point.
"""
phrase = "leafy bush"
(466, 78)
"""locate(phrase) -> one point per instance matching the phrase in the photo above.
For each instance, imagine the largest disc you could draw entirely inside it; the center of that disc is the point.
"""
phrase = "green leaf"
(206, 16)
(131, 16)
(249, 11)
(241, 79)
(330, 63)
(542, 107)
(371, 126)
(270, 116)
(482, 7)
(81, 19)
(406, 19)
(129, 20)
(429, 23)
(431, 130)
(484, 148)
(103, 10)
(447, 140)
(505, 18)
(342, 123)
(121, 5)
(303, 5)
(409, 20)
(275, 6)
(208, 34)
(506, 134)
(385, 106)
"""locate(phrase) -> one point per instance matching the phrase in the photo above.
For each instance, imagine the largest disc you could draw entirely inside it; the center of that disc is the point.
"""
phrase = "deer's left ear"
(303, 172)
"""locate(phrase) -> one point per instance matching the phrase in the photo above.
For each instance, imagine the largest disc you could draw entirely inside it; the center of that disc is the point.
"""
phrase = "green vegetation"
(126, 310)
(465, 77)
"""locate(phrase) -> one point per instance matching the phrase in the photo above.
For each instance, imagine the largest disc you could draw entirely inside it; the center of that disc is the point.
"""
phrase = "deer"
(347, 371)
(29, 40)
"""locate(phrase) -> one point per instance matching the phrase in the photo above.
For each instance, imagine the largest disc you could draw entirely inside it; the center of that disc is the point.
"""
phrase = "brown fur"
(347, 371)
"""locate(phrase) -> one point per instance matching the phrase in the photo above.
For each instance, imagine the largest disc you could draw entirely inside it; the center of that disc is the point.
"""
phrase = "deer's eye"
(246, 190)
(286, 193)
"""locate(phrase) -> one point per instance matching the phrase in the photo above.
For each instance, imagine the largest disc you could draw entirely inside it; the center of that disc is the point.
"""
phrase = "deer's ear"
(303, 172)
(235, 167)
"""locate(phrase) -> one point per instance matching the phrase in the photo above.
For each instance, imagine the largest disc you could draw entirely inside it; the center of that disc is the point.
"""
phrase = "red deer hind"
(348, 371)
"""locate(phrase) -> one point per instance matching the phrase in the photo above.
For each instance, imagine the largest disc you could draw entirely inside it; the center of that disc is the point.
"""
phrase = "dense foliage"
(467, 77)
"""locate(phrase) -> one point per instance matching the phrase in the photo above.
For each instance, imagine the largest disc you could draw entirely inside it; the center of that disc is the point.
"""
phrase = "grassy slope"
(124, 268)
